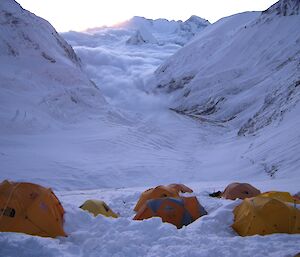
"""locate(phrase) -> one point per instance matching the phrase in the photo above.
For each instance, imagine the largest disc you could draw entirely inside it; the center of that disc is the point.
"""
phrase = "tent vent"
(9, 212)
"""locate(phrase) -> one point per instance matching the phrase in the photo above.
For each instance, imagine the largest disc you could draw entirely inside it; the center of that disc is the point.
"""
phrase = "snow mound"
(42, 82)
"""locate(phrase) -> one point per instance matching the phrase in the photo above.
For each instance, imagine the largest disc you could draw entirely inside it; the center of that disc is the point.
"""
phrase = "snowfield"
(94, 125)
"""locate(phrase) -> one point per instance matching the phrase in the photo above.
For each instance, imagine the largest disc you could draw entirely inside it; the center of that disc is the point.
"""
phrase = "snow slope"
(243, 73)
(41, 78)
(116, 154)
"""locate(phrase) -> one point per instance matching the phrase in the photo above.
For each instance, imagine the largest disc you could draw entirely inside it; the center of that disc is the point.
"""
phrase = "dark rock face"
(19, 21)
(273, 109)
(174, 85)
(284, 8)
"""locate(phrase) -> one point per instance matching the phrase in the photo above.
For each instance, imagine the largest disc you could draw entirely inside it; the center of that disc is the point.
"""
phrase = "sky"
(79, 15)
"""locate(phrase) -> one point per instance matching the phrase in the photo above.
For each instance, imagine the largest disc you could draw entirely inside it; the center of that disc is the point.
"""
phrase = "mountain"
(131, 51)
(141, 37)
(284, 8)
(139, 30)
(242, 73)
(168, 31)
(41, 77)
(240, 66)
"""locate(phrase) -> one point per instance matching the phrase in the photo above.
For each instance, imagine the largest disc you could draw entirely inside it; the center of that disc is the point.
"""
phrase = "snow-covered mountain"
(243, 73)
(240, 76)
(284, 8)
(41, 76)
(129, 49)
(164, 30)
(139, 30)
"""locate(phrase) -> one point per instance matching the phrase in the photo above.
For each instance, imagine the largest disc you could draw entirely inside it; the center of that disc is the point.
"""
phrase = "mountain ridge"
(284, 8)
(161, 30)
(41, 74)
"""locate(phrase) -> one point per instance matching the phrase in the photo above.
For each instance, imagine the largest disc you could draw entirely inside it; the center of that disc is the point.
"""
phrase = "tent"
(177, 211)
(282, 196)
(155, 193)
(180, 188)
(171, 190)
(240, 190)
(297, 195)
(98, 207)
(30, 209)
(264, 215)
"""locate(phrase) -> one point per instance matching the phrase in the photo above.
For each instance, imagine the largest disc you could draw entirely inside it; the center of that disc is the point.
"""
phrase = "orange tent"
(30, 209)
(181, 188)
(177, 211)
(154, 193)
(171, 190)
(240, 190)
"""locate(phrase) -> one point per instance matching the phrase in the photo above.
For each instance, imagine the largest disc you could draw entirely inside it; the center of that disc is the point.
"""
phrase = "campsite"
(34, 210)
(152, 136)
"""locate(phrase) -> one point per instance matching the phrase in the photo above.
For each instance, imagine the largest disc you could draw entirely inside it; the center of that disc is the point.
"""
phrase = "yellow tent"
(263, 215)
(282, 196)
(98, 207)
(30, 209)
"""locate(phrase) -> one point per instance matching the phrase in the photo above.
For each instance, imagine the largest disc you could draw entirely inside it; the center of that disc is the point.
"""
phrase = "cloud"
(122, 72)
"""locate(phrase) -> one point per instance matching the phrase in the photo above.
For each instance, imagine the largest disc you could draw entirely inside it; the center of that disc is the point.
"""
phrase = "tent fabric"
(297, 196)
(177, 211)
(155, 193)
(264, 215)
(171, 190)
(240, 190)
(282, 196)
(180, 188)
(31, 209)
(97, 207)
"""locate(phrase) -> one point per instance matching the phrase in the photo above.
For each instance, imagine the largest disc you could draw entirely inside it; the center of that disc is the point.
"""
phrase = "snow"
(242, 73)
(159, 31)
(116, 148)
(141, 37)
(88, 236)
(41, 86)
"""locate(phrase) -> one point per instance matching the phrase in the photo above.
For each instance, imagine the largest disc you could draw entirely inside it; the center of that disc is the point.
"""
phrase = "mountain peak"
(284, 8)
(197, 19)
